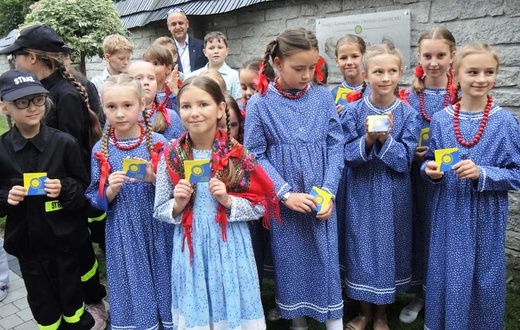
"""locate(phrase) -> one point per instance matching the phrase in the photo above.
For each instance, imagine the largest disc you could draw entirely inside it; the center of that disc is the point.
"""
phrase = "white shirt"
(230, 77)
(184, 55)
(100, 79)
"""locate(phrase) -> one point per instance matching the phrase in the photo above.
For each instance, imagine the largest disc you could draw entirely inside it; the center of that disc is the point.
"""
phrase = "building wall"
(250, 29)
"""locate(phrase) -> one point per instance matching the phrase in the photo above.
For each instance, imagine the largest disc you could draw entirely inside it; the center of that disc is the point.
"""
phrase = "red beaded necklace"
(480, 129)
(446, 100)
(289, 95)
(130, 147)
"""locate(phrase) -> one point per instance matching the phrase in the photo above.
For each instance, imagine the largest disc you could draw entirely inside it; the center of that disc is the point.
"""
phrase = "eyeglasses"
(18, 53)
(176, 10)
(24, 103)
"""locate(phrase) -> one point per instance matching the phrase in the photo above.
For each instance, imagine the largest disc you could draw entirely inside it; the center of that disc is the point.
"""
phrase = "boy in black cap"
(40, 50)
(45, 225)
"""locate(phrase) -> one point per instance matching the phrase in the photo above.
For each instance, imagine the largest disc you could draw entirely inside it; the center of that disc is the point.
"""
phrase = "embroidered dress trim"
(361, 149)
(132, 327)
(310, 306)
(483, 178)
(370, 288)
(380, 110)
(472, 116)
(387, 148)
(352, 87)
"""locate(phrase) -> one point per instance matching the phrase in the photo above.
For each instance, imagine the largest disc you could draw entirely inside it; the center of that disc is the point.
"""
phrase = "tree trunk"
(83, 65)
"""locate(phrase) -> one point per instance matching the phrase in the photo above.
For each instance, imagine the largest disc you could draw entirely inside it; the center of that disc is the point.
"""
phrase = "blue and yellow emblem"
(35, 183)
(378, 123)
(321, 197)
(424, 139)
(135, 168)
(446, 158)
(197, 170)
(341, 96)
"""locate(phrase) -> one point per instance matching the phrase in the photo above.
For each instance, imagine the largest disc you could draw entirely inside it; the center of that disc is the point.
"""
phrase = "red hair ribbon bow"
(162, 109)
(261, 80)
(154, 155)
(454, 97)
(105, 168)
(317, 69)
(403, 95)
(419, 72)
(354, 96)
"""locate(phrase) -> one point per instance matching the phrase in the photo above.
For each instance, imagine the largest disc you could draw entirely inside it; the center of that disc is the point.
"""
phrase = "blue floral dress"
(422, 190)
(378, 219)
(220, 290)
(465, 283)
(138, 248)
(299, 144)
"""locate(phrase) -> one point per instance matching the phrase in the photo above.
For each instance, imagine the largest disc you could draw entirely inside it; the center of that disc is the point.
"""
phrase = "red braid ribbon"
(354, 96)
(317, 69)
(419, 72)
(403, 95)
(162, 109)
(154, 155)
(105, 168)
(261, 80)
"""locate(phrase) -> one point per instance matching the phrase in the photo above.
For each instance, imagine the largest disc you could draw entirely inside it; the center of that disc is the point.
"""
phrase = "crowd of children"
(207, 184)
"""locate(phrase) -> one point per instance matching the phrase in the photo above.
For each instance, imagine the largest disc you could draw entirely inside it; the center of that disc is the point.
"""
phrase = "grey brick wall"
(250, 29)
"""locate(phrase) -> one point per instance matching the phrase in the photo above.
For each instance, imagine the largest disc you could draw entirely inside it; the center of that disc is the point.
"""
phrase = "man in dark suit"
(191, 56)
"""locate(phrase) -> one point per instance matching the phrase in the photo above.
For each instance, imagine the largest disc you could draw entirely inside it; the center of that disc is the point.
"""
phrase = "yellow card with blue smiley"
(446, 158)
(35, 183)
(135, 168)
(424, 138)
(341, 96)
(378, 123)
(321, 197)
(198, 170)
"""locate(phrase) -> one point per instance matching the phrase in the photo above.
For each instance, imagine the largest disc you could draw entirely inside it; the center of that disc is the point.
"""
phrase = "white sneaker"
(3, 292)
(99, 315)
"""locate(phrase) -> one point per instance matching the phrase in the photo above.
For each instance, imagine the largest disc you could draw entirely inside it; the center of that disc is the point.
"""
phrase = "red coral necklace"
(445, 104)
(289, 95)
(129, 147)
(480, 129)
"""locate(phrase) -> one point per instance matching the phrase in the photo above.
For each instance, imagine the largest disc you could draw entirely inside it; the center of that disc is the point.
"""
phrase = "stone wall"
(251, 28)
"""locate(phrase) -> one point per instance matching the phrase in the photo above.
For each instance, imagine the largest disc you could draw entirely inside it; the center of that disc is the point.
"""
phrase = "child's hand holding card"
(35, 183)
(321, 197)
(378, 123)
(446, 158)
(135, 168)
(197, 171)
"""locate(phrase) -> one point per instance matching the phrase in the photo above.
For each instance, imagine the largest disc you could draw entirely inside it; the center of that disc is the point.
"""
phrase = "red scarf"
(251, 182)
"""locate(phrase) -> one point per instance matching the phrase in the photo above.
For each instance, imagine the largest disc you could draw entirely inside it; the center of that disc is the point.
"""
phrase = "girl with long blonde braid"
(138, 248)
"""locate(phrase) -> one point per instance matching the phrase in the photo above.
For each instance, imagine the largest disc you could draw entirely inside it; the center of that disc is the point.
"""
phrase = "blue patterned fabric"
(299, 144)
(378, 222)
(138, 248)
(422, 191)
(465, 284)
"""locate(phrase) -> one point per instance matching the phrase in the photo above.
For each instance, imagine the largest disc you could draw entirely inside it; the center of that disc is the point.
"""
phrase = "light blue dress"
(465, 283)
(137, 246)
(379, 203)
(220, 290)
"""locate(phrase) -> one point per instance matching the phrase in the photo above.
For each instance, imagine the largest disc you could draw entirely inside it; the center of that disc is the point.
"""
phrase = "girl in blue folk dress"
(432, 90)
(214, 277)
(349, 51)
(379, 192)
(465, 283)
(138, 248)
(293, 129)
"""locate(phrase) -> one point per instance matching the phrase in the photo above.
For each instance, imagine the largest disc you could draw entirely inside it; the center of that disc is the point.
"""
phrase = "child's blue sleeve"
(398, 153)
(505, 176)
(354, 130)
(163, 206)
(256, 142)
(335, 157)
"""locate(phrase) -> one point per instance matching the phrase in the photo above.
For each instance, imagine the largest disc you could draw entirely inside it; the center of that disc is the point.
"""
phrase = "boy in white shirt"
(216, 50)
